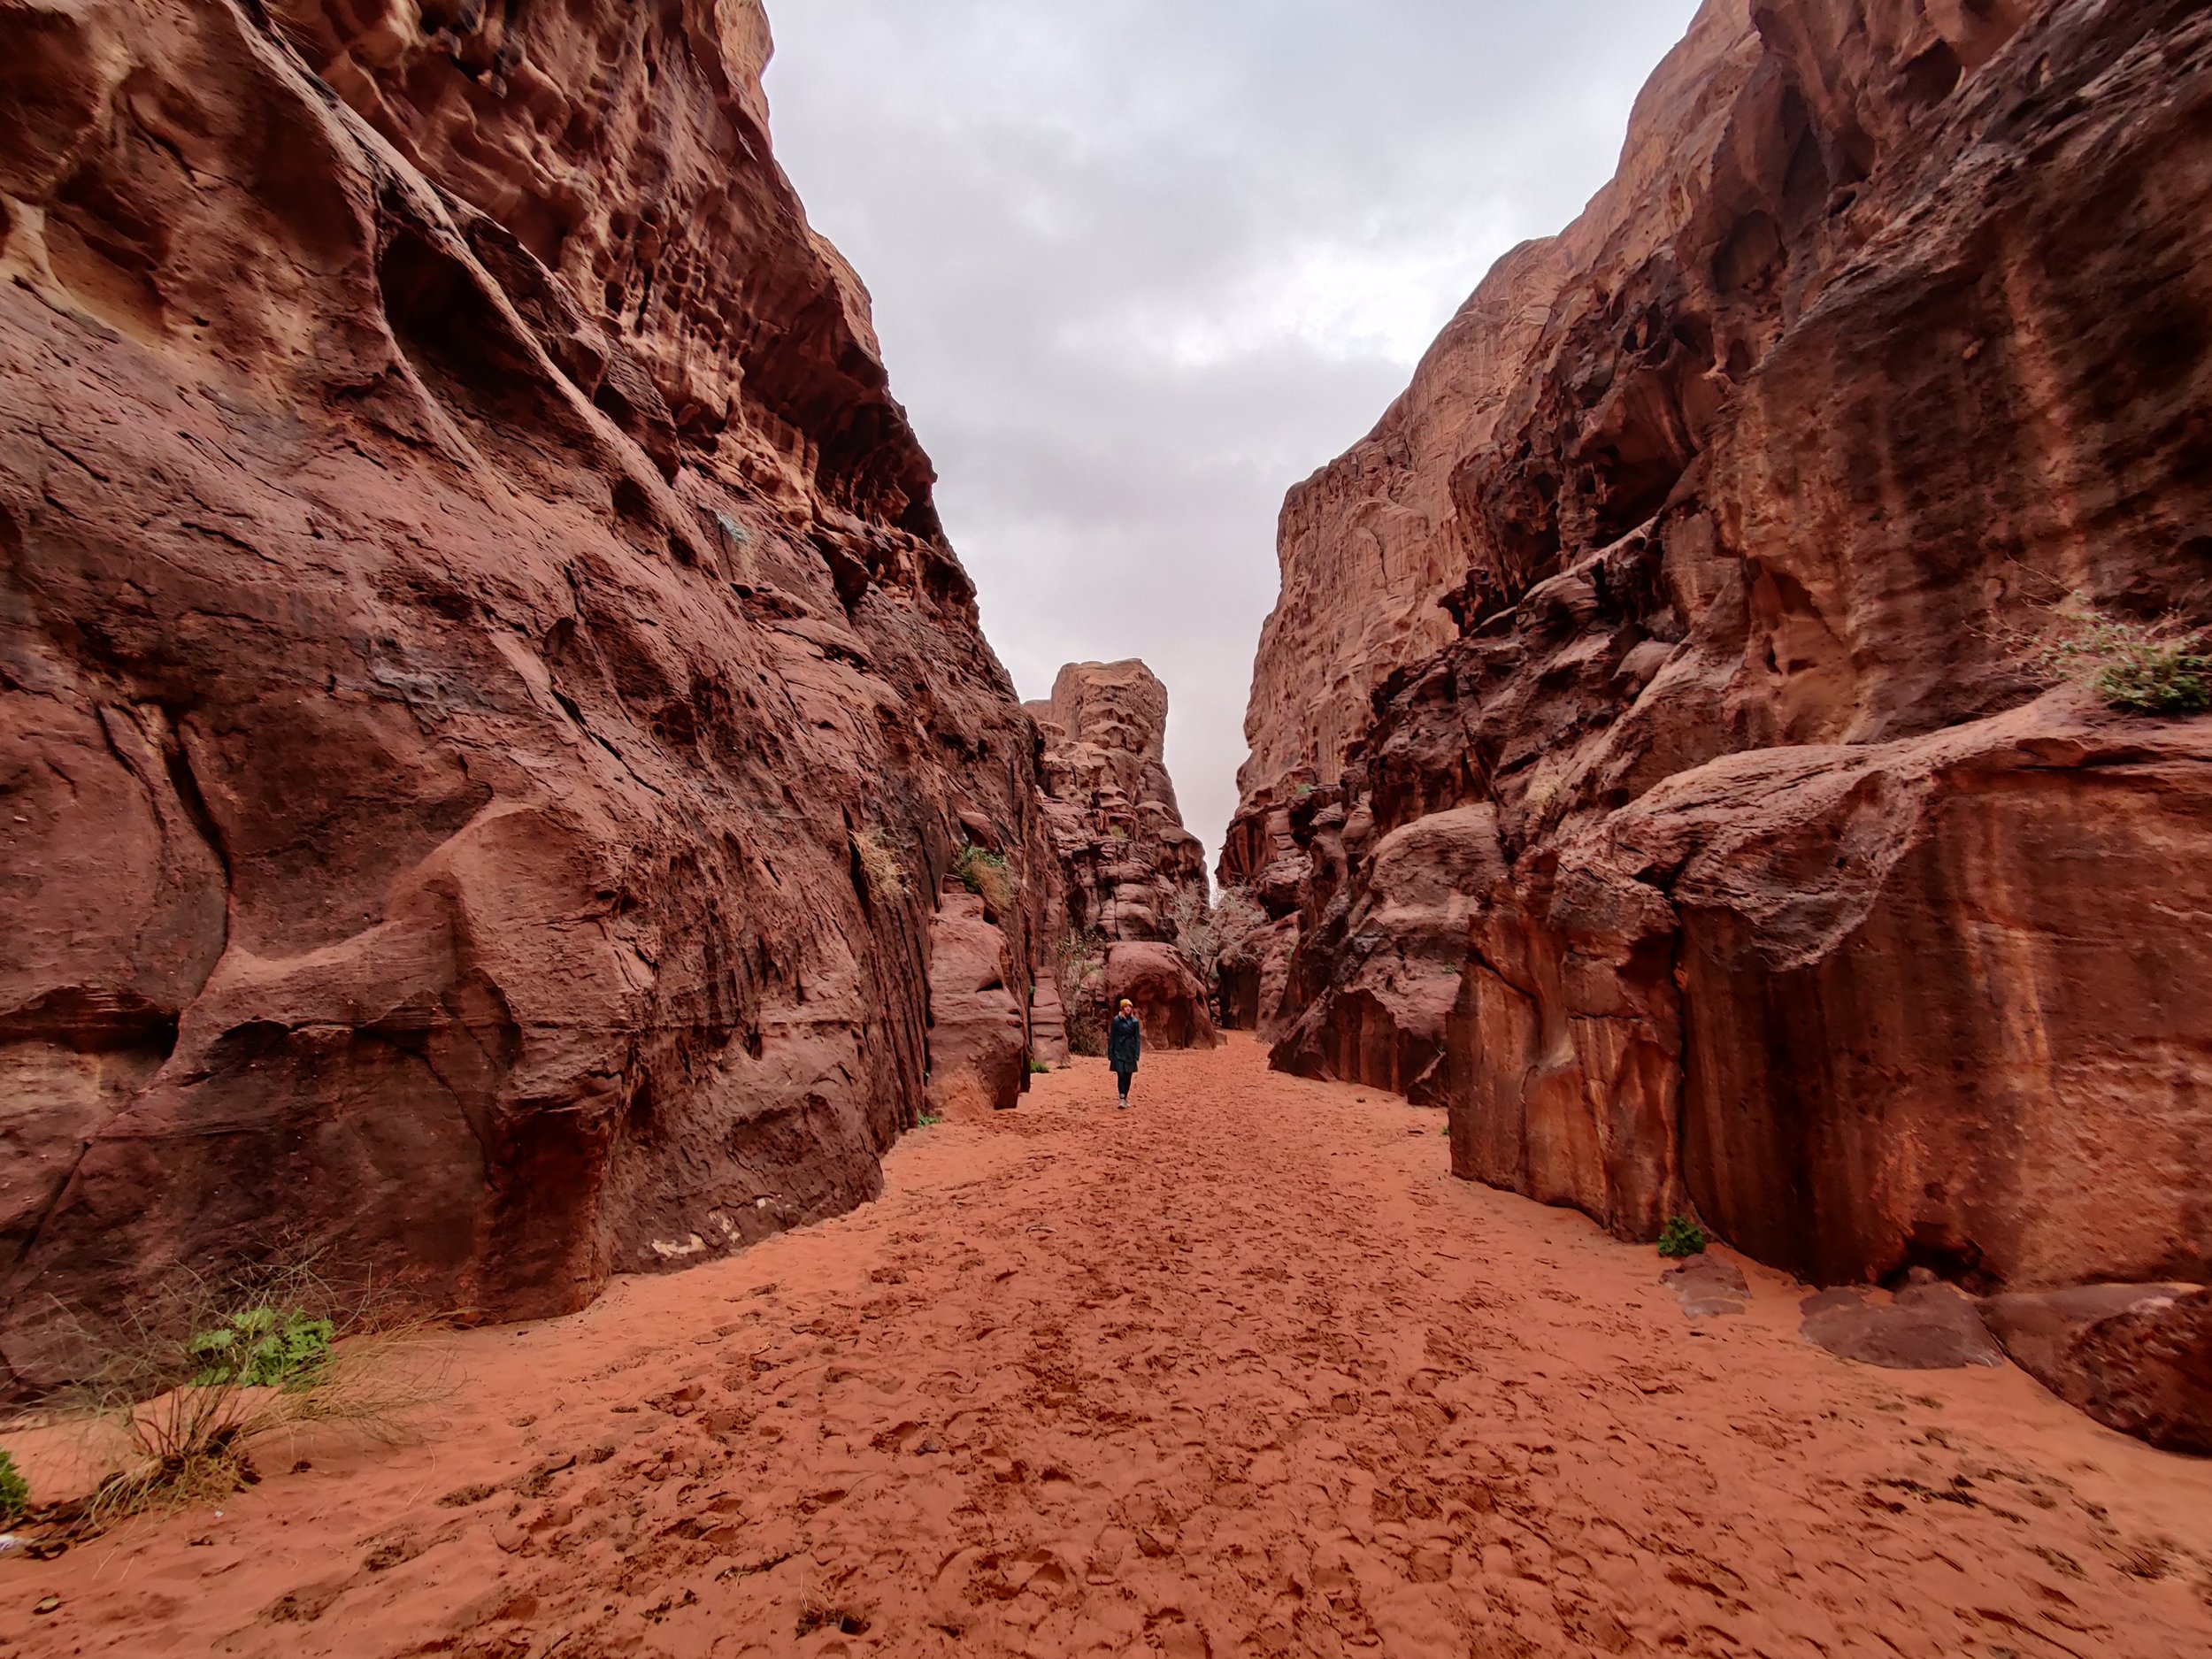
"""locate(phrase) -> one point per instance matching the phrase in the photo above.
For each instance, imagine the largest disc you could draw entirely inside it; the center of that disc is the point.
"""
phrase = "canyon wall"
(1130, 900)
(488, 702)
(1736, 851)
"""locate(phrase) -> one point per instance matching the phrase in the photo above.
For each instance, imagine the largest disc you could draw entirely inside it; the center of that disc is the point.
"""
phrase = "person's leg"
(1123, 1078)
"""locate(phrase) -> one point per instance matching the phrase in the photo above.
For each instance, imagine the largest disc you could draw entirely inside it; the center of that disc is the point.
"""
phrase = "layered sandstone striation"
(1732, 854)
(487, 700)
(1131, 901)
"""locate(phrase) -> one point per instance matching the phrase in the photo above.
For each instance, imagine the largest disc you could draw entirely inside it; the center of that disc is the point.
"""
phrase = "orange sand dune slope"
(1242, 1371)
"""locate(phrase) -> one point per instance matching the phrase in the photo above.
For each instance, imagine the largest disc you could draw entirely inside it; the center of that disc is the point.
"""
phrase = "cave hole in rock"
(1933, 76)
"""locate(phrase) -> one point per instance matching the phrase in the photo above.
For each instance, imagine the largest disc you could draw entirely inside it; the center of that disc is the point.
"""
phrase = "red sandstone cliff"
(488, 702)
(1727, 855)
(1131, 898)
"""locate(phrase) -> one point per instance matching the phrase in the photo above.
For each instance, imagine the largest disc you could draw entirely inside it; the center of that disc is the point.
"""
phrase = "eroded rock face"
(978, 1041)
(1171, 1002)
(1132, 870)
(468, 602)
(1128, 872)
(2136, 1357)
(1371, 542)
(1809, 906)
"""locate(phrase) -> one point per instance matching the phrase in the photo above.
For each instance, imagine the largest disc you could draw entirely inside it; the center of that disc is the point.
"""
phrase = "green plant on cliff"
(986, 875)
(1681, 1237)
(15, 1492)
(2162, 667)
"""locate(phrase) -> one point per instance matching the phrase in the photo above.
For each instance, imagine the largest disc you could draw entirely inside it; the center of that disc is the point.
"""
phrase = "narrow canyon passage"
(1243, 1371)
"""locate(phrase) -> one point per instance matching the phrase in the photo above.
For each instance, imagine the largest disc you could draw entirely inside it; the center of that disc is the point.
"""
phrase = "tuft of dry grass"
(880, 862)
(986, 875)
(180, 1396)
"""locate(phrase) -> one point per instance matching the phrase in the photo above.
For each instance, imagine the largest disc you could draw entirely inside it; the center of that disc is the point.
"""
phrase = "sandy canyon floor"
(1241, 1371)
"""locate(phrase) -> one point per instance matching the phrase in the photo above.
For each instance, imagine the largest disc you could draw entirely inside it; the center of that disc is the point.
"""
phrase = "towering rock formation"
(1731, 853)
(488, 702)
(1132, 897)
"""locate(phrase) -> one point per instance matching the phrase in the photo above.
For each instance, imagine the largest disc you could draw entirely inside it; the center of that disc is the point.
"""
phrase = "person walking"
(1125, 1041)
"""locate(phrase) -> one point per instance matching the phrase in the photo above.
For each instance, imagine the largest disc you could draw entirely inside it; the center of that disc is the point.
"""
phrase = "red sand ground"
(1241, 1371)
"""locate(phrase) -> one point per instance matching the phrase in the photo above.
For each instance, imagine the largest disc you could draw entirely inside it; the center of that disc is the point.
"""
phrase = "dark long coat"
(1125, 1041)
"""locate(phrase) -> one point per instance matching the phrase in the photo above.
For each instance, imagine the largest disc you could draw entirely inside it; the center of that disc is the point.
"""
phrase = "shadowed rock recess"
(1676, 809)
(489, 703)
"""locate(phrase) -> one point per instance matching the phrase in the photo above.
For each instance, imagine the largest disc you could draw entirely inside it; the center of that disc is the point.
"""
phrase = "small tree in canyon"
(1205, 931)
(1079, 962)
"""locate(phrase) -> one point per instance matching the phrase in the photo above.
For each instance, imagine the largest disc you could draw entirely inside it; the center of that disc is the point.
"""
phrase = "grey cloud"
(1140, 267)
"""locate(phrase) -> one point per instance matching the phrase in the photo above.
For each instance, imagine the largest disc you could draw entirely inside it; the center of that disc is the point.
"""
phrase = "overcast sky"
(1140, 266)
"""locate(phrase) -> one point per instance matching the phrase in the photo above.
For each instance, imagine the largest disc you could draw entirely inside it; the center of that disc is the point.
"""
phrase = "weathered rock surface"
(1171, 1003)
(1930, 1327)
(978, 1041)
(1110, 806)
(1708, 1287)
(1811, 906)
(2136, 1357)
(1048, 1022)
(468, 600)
(1128, 872)
(1371, 542)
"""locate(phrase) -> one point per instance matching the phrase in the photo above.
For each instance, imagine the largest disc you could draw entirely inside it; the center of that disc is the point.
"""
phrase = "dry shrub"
(15, 1492)
(986, 875)
(183, 1392)
(1080, 967)
(2160, 667)
(880, 862)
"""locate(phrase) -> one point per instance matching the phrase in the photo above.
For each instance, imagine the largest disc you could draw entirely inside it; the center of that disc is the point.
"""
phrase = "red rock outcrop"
(1371, 542)
(2136, 1357)
(978, 1041)
(1129, 872)
(1732, 854)
(1171, 1001)
(487, 700)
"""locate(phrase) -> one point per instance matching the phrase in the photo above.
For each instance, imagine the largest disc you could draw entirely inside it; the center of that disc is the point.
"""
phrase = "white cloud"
(1138, 267)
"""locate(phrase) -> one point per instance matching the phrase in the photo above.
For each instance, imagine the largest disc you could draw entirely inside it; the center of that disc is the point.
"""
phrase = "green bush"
(1681, 1237)
(986, 875)
(2157, 679)
(1038, 1068)
(262, 1349)
(15, 1492)
(2138, 667)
